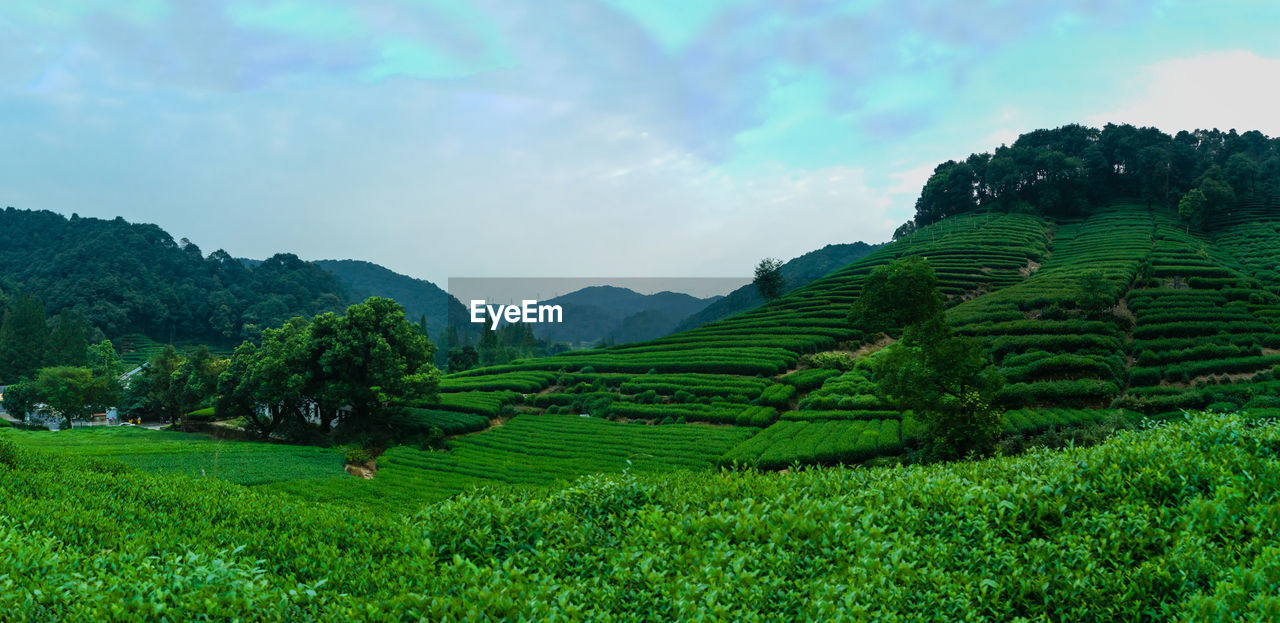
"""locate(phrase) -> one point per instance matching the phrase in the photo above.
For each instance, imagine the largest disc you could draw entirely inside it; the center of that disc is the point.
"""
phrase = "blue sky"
(576, 138)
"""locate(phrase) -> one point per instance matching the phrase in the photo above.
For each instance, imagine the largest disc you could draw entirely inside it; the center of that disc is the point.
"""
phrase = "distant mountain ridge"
(798, 272)
(421, 299)
(620, 314)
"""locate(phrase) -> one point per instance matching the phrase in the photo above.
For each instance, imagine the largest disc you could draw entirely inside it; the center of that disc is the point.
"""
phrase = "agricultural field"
(1177, 320)
(532, 450)
(1115, 540)
(240, 462)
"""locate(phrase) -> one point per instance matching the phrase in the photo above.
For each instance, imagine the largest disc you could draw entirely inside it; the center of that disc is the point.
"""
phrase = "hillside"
(797, 272)
(1161, 524)
(135, 278)
(623, 315)
(1192, 324)
(419, 298)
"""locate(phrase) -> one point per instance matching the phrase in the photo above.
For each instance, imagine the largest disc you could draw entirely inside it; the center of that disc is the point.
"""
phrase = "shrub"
(355, 455)
(832, 361)
(8, 453)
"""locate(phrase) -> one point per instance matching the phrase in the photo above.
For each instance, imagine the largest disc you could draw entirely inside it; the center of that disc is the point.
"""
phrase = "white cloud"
(1230, 89)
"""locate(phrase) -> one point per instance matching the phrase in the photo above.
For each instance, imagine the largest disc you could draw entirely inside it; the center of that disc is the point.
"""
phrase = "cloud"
(1224, 90)
(486, 138)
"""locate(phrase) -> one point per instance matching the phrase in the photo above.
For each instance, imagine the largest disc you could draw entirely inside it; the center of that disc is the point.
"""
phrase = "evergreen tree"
(68, 342)
(23, 338)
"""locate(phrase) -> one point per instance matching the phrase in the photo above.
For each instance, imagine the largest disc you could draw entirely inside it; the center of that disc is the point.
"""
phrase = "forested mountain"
(419, 298)
(130, 277)
(618, 314)
(795, 273)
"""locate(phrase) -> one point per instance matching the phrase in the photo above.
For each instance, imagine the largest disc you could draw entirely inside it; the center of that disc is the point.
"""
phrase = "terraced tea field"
(533, 450)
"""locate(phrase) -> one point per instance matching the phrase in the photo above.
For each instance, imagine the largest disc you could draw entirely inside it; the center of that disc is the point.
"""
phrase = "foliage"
(899, 294)
(173, 384)
(768, 278)
(946, 379)
(1062, 171)
(126, 277)
(355, 455)
(71, 393)
(170, 452)
(1191, 208)
(23, 338)
(529, 451)
(353, 369)
(1098, 523)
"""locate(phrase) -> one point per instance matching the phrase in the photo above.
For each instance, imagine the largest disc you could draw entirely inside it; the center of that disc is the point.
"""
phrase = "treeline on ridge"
(1063, 171)
(126, 277)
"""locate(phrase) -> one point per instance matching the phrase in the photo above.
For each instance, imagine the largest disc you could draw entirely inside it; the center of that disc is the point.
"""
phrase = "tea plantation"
(676, 478)
(1171, 523)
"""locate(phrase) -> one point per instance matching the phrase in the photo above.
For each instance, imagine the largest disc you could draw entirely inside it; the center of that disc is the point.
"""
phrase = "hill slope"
(128, 277)
(797, 272)
(418, 297)
(1186, 320)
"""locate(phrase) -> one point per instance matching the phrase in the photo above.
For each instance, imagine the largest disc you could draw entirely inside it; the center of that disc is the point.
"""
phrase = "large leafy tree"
(902, 293)
(946, 379)
(354, 369)
(371, 358)
(1062, 171)
(73, 393)
(267, 383)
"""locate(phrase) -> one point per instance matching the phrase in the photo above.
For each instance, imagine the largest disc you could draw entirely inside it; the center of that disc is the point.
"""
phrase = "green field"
(241, 462)
(1162, 524)
(527, 451)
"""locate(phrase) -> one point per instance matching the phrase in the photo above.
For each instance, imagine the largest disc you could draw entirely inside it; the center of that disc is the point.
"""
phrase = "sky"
(559, 138)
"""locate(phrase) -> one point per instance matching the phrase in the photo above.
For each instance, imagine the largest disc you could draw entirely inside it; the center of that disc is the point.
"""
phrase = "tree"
(1094, 294)
(104, 360)
(947, 380)
(1217, 193)
(463, 358)
(1191, 208)
(374, 357)
(905, 229)
(195, 380)
(154, 390)
(71, 392)
(1242, 174)
(895, 295)
(768, 280)
(69, 340)
(18, 399)
(268, 384)
(23, 338)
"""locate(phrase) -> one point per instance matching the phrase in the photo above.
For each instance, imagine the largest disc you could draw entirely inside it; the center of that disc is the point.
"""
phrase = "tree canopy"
(125, 277)
(946, 379)
(1061, 172)
(353, 370)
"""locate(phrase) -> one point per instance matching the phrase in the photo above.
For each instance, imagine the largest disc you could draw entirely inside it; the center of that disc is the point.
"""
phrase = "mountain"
(132, 277)
(418, 297)
(797, 272)
(618, 314)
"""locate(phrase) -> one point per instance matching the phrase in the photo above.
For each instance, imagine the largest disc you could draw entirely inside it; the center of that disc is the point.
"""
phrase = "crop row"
(816, 443)
(715, 413)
